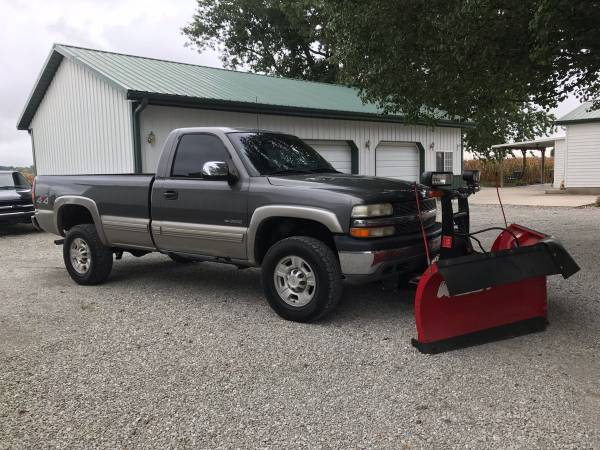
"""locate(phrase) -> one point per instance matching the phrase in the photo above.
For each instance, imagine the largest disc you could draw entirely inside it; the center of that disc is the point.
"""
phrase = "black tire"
(99, 257)
(180, 259)
(324, 265)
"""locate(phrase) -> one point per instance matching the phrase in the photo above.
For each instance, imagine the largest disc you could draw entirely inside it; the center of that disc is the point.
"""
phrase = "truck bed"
(115, 195)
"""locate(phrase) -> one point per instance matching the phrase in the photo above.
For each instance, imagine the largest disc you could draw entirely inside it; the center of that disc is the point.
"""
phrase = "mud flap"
(482, 297)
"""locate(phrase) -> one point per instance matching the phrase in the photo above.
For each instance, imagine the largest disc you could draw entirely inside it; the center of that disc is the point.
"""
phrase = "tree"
(289, 39)
(500, 63)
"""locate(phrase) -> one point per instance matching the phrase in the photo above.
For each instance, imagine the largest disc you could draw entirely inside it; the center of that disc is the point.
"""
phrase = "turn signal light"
(372, 232)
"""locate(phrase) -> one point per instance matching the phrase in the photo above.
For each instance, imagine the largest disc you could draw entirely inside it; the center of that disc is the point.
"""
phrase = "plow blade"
(481, 297)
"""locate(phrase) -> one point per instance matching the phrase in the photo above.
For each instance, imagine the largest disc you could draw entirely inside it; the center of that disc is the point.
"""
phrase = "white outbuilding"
(578, 162)
(93, 111)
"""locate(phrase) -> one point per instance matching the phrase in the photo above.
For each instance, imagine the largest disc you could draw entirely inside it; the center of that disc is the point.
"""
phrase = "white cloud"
(141, 27)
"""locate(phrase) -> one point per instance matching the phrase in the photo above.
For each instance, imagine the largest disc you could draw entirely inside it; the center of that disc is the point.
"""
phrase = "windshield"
(279, 154)
(13, 181)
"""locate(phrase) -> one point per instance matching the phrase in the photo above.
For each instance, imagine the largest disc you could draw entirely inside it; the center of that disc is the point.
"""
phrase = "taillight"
(33, 192)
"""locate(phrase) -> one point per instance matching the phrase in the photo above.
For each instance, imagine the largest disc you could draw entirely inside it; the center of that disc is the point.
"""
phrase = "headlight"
(471, 177)
(375, 210)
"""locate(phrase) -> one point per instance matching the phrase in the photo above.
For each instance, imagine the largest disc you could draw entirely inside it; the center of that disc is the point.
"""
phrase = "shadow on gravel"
(363, 303)
(20, 229)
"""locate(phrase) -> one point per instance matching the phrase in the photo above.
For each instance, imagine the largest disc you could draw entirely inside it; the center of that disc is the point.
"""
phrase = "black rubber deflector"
(511, 330)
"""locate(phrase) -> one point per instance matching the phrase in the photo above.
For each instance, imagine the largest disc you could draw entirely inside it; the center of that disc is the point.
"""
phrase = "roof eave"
(53, 61)
(39, 88)
(576, 121)
(195, 102)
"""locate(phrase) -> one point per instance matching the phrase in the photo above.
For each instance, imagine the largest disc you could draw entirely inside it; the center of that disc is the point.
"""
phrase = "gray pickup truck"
(249, 198)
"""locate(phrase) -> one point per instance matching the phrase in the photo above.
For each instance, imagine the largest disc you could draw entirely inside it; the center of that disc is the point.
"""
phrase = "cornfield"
(512, 168)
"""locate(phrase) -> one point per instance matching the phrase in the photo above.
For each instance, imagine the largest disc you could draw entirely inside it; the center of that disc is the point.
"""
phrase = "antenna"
(257, 117)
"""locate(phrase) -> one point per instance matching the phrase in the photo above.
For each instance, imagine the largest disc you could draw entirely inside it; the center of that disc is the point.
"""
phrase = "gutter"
(237, 106)
(137, 138)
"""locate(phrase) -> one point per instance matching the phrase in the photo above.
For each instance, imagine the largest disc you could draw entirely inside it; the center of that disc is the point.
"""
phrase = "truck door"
(194, 213)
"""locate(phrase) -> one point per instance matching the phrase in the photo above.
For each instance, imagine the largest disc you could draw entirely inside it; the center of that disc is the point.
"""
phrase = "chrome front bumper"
(383, 263)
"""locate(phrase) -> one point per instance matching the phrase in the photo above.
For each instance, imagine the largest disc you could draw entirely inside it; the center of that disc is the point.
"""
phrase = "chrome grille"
(410, 209)
(404, 208)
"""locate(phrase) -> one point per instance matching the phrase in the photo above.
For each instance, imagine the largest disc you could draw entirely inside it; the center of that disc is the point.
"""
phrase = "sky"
(140, 27)
(29, 28)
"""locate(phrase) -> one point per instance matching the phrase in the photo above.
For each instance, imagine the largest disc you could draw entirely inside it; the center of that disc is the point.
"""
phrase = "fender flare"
(262, 213)
(85, 202)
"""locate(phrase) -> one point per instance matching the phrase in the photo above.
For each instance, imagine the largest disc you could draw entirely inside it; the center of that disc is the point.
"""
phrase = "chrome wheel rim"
(80, 256)
(295, 281)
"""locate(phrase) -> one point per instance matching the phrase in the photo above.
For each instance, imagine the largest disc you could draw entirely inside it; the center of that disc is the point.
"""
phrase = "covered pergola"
(540, 145)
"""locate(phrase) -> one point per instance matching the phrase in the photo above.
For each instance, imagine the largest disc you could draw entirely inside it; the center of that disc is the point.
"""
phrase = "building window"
(443, 161)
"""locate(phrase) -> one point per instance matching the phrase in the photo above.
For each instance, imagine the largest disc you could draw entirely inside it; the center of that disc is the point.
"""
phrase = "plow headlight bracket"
(437, 179)
(373, 210)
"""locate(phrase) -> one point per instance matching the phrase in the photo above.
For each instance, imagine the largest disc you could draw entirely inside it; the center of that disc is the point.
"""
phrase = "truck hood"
(360, 186)
(16, 196)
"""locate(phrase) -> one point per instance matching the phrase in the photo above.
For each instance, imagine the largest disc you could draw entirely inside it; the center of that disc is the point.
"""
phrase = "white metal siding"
(161, 120)
(83, 125)
(582, 159)
(397, 160)
(559, 165)
(338, 153)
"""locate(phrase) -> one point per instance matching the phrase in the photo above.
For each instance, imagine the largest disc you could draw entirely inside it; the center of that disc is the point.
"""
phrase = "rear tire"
(87, 260)
(301, 278)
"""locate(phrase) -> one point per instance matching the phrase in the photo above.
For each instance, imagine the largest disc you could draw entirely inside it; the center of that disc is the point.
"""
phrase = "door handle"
(170, 195)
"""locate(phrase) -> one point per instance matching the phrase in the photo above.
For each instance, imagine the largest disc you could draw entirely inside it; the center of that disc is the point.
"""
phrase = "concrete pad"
(533, 195)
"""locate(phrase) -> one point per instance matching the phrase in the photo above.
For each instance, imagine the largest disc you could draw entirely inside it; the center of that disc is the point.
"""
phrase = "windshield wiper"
(289, 171)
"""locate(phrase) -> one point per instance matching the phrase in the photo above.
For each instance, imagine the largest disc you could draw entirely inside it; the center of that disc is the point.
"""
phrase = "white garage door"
(397, 160)
(338, 153)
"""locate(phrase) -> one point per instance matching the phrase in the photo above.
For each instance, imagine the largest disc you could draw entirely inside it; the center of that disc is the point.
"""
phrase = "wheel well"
(275, 229)
(71, 215)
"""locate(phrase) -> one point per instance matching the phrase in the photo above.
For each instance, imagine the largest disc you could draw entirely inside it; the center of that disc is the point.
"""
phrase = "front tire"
(87, 260)
(301, 278)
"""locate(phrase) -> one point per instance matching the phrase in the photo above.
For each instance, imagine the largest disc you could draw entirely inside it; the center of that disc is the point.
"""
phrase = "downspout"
(462, 153)
(137, 139)
(30, 131)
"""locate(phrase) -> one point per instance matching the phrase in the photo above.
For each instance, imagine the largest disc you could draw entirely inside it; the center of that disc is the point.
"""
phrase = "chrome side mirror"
(216, 170)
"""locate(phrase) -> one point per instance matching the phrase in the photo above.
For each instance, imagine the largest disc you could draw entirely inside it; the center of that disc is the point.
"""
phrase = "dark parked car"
(16, 205)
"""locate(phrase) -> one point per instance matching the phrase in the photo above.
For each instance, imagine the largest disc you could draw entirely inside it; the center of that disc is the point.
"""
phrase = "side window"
(443, 161)
(193, 151)
(448, 162)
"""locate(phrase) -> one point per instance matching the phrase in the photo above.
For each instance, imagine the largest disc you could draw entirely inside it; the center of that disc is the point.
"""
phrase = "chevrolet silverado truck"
(16, 205)
(250, 198)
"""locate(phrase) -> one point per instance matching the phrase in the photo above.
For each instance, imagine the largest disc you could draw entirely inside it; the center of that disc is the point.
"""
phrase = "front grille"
(406, 208)
(15, 207)
(410, 209)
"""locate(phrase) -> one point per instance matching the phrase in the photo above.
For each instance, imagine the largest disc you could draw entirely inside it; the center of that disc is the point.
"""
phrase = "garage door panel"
(397, 160)
(338, 153)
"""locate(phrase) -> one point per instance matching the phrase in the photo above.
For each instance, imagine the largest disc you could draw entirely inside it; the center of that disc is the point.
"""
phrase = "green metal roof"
(173, 83)
(582, 113)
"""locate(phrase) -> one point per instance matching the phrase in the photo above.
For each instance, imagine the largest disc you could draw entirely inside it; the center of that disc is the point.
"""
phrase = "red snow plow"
(468, 296)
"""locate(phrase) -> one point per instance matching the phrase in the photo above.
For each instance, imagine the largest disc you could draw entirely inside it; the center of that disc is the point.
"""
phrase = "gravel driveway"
(168, 355)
